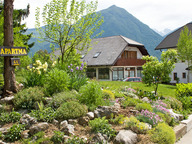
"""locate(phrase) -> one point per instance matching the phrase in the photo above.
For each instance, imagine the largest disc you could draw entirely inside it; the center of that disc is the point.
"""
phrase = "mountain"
(164, 32)
(117, 21)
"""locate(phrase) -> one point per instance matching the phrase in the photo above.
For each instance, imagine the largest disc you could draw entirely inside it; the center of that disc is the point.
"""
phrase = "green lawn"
(164, 90)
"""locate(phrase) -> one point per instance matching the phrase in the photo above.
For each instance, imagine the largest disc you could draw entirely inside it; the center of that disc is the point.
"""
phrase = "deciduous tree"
(69, 24)
(155, 71)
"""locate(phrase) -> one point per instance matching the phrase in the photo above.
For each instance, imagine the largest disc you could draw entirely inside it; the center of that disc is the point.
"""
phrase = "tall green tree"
(184, 48)
(69, 24)
(155, 71)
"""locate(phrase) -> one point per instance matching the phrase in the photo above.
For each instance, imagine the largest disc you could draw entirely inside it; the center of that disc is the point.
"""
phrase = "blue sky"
(157, 14)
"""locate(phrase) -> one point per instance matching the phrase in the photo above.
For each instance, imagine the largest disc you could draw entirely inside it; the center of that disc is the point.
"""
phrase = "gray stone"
(38, 127)
(27, 120)
(7, 100)
(177, 117)
(72, 121)
(68, 129)
(126, 137)
(99, 138)
(83, 120)
(107, 111)
(145, 99)
(90, 115)
(188, 123)
(1, 142)
(55, 122)
(25, 134)
(4, 130)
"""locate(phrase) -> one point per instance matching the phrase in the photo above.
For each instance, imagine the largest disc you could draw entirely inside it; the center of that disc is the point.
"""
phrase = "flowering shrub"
(160, 103)
(77, 76)
(35, 75)
(136, 126)
(159, 108)
(149, 117)
(174, 103)
(107, 94)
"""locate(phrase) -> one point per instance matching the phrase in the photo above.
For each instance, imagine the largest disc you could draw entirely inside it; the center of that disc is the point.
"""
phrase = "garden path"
(186, 139)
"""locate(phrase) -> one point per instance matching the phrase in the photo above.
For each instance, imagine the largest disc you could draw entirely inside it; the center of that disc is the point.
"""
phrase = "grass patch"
(164, 90)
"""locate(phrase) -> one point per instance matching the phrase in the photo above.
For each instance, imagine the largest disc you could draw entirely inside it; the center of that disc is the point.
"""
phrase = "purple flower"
(77, 68)
(71, 64)
(71, 70)
(68, 66)
(81, 68)
(82, 64)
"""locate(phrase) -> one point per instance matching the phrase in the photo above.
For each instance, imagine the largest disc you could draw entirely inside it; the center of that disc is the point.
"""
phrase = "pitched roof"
(171, 40)
(110, 48)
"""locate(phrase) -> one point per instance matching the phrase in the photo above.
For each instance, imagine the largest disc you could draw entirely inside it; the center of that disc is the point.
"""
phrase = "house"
(181, 70)
(114, 58)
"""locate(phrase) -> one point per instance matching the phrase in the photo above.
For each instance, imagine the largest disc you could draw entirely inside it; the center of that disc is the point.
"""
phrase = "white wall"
(180, 69)
(139, 55)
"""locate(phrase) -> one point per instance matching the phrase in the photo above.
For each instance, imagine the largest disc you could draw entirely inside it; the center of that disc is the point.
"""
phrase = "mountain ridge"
(117, 21)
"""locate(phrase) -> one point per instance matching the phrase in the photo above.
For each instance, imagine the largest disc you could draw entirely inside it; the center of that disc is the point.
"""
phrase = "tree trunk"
(9, 71)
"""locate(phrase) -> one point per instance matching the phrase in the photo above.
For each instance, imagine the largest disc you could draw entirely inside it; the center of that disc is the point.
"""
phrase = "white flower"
(38, 62)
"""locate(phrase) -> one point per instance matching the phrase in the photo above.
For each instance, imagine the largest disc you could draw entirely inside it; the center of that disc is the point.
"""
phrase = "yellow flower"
(45, 65)
(28, 67)
(54, 63)
(38, 62)
(39, 72)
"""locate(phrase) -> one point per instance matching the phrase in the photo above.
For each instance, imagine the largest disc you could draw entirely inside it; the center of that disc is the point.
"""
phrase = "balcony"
(129, 62)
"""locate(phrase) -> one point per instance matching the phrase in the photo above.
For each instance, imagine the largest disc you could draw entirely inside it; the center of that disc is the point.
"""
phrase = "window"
(104, 73)
(97, 54)
(91, 73)
(129, 55)
(174, 76)
(118, 73)
(184, 75)
(139, 72)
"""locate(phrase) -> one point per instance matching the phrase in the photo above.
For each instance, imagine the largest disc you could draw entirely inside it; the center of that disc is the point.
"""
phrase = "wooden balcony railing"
(129, 62)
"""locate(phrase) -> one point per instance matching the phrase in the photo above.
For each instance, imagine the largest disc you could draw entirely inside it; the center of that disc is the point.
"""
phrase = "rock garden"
(57, 106)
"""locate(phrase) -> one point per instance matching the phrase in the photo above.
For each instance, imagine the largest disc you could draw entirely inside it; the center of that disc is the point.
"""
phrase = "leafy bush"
(107, 94)
(101, 125)
(76, 140)
(14, 133)
(143, 106)
(130, 102)
(149, 117)
(119, 94)
(38, 138)
(27, 97)
(56, 81)
(6, 117)
(91, 95)
(166, 118)
(162, 134)
(71, 110)
(136, 126)
(60, 98)
(184, 90)
(186, 102)
(117, 119)
(45, 115)
(174, 103)
(58, 137)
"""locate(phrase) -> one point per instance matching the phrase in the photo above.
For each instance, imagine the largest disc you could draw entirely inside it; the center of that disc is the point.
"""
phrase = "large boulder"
(106, 111)
(126, 137)
(38, 127)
